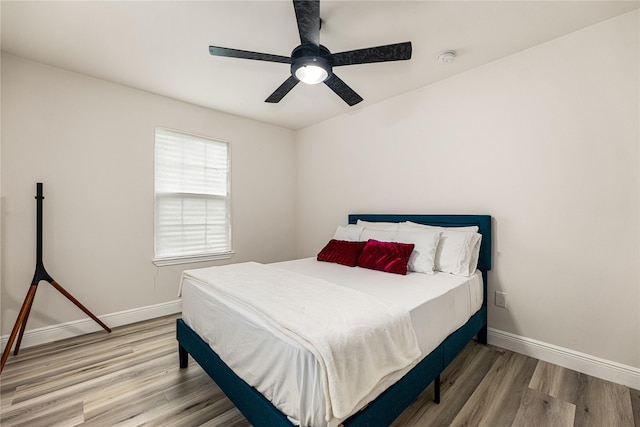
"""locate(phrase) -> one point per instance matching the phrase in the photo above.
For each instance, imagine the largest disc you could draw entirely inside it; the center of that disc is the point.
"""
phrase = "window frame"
(198, 257)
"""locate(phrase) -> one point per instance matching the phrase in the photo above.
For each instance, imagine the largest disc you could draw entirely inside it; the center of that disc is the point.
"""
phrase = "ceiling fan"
(313, 63)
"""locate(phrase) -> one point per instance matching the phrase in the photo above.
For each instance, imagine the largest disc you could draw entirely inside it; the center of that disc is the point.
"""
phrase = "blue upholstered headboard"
(482, 221)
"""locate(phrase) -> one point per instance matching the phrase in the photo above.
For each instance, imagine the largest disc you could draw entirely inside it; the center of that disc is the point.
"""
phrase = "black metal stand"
(40, 275)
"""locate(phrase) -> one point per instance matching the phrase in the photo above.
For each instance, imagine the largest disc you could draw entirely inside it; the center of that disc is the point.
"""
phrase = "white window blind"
(192, 200)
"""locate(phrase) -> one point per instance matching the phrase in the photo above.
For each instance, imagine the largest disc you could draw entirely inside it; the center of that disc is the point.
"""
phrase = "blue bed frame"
(393, 401)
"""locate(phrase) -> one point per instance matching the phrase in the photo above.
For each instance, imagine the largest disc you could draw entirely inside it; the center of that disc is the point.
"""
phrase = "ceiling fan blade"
(282, 90)
(245, 54)
(390, 52)
(341, 89)
(308, 18)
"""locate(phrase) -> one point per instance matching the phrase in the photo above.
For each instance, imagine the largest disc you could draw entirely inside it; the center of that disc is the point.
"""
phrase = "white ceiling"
(162, 46)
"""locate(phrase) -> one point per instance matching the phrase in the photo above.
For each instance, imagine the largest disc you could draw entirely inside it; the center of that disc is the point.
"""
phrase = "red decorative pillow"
(391, 257)
(342, 252)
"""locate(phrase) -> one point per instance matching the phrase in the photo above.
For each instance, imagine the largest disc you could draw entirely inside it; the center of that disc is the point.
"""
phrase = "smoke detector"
(446, 56)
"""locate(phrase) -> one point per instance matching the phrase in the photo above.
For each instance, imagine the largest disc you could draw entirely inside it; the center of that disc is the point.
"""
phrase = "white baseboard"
(581, 362)
(61, 331)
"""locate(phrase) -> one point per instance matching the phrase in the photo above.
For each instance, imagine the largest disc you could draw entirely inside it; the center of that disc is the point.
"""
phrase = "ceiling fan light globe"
(311, 74)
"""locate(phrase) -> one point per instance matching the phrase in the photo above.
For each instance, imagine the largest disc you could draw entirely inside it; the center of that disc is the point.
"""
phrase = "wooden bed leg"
(482, 335)
(436, 390)
(183, 356)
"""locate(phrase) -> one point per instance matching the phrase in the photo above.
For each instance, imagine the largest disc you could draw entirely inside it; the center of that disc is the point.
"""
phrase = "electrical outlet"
(501, 299)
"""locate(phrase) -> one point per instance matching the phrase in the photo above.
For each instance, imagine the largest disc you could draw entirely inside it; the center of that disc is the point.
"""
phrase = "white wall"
(91, 143)
(547, 142)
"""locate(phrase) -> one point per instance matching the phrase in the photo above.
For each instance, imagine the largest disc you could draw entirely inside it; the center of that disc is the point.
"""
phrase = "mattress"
(287, 374)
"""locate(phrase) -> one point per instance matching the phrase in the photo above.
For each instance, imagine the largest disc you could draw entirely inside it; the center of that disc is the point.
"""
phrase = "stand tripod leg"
(78, 304)
(22, 319)
(24, 325)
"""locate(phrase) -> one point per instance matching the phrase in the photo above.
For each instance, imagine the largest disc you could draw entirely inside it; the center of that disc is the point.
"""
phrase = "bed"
(393, 394)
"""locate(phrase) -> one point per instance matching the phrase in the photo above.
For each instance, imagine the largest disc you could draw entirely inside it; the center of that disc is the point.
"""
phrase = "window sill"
(161, 262)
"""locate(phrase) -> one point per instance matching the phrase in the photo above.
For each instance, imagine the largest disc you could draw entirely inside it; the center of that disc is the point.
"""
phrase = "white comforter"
(357, 339)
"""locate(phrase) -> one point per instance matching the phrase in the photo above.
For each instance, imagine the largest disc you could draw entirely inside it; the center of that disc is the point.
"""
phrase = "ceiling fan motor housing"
(309, 55)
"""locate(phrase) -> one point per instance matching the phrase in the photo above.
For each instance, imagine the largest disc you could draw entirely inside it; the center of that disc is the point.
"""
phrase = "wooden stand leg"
(23, 316)
(78, 304)
(22, 319)
(24, 325)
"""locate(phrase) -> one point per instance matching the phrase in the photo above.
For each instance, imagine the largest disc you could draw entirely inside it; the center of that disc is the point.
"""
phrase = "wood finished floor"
(131, 378)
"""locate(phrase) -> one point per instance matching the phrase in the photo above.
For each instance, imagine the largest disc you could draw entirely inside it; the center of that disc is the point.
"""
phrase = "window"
(192, 198)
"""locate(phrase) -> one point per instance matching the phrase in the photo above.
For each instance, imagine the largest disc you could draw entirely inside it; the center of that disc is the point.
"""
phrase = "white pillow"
(350, 233)
(458, 252)
(473, 228)
(475, 256)
(422, 259)
(378, 225)
(379, 235)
